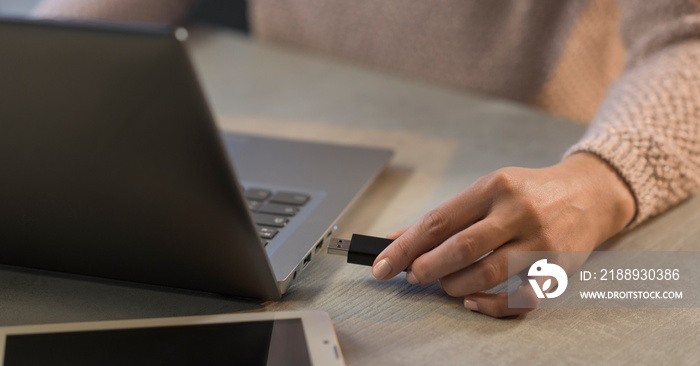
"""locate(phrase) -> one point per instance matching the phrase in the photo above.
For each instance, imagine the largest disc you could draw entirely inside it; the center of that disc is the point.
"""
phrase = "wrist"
(615, 205)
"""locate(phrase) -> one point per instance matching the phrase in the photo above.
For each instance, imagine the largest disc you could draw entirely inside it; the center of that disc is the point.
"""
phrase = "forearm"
(648, 129)
(152, 11)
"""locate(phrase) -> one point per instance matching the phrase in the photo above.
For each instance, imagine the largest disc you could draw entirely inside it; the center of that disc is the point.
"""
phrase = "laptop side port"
(318, 246)
(307, 260)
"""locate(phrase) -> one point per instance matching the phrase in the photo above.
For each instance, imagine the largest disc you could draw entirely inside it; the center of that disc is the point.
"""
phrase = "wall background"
(16, 7)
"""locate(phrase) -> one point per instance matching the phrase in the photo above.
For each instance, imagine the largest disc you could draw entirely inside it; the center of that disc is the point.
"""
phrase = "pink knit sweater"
(630, 68)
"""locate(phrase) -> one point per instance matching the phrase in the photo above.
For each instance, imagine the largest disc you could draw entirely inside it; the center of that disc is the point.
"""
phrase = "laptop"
(113, 167)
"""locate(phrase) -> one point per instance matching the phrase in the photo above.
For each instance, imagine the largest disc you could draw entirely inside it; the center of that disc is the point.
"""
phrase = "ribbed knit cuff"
(627, 160)
(659, 170)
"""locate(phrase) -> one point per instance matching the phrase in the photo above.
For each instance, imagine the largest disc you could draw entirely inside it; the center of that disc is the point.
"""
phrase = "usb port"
(307, 260)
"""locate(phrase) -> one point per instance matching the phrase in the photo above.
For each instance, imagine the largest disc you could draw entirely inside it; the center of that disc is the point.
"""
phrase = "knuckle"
(404, 250)
(528, 206)
(494, 227)
(491, 274)
(532, 212)
(452, 288)
(531, 301)
(420, 271)
(466, 250)
(435, 224)
(503, 181)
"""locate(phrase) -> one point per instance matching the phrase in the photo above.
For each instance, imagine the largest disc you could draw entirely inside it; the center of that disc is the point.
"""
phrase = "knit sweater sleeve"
(648, 126)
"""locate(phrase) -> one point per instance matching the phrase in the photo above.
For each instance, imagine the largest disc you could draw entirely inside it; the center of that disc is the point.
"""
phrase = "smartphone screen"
(278, 342)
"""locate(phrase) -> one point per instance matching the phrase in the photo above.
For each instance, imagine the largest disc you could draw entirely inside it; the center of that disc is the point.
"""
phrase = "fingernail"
(381, 269)
(471, 305)
(411, 278)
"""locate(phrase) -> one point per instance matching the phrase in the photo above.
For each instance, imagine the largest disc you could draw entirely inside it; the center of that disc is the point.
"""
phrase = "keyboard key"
(290, 198)
(277, 209)
(257, 194)
(270, 220)
(254, 205)
(267, 232)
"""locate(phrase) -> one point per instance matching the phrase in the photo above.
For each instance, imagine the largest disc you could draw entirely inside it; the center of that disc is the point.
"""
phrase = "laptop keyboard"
(273, 210)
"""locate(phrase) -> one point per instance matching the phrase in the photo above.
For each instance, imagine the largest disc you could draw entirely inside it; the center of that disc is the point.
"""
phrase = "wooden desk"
(444, 140)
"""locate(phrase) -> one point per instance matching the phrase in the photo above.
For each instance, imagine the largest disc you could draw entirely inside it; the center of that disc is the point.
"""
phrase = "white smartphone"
(273, 338)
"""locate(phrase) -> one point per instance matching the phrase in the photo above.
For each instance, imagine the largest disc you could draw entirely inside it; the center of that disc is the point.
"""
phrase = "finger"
(517, 302)
(486, 273)
(397, 233)
(524, 298)
(436, 226)
(461, 250)
(496, 305)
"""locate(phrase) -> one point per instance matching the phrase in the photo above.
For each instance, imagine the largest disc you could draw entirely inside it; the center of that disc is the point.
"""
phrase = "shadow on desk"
(30, 296)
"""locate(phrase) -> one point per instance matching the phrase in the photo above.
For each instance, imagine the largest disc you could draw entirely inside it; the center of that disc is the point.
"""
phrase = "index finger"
(432, 229)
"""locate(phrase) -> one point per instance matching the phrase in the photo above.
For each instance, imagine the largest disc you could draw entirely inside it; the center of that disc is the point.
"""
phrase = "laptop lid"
(119, 170)
(113, 166)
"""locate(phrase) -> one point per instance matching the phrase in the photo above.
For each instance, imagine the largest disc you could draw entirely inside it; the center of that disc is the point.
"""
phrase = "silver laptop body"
(113, 167)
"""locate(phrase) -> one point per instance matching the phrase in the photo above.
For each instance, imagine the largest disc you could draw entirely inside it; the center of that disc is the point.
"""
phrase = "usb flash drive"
(360, 249)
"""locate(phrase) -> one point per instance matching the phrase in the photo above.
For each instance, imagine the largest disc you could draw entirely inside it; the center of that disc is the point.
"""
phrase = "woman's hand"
(572, 206)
